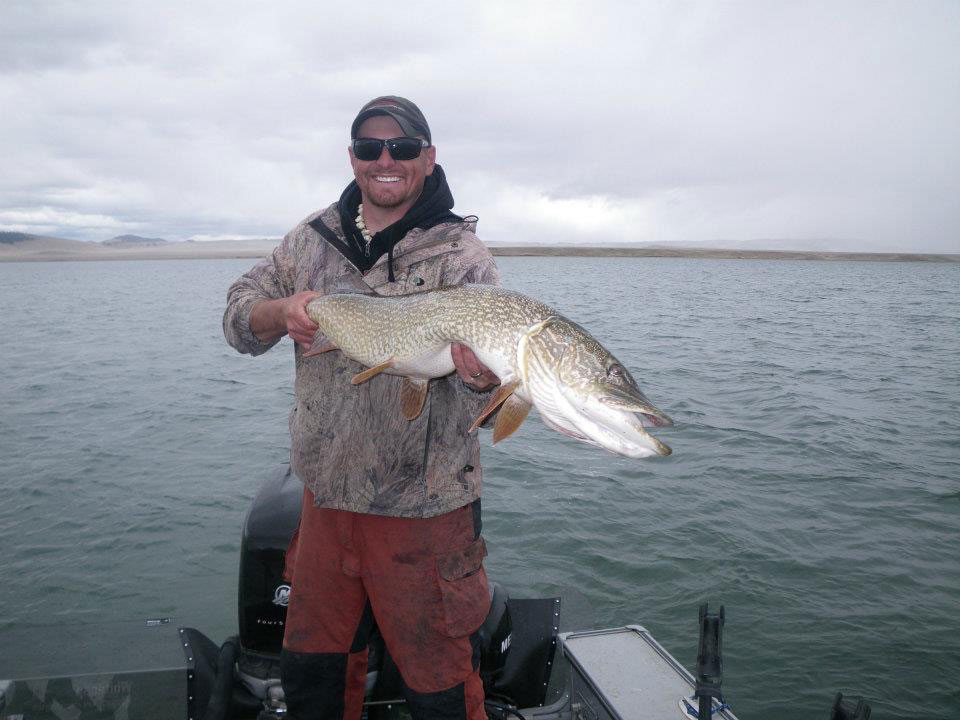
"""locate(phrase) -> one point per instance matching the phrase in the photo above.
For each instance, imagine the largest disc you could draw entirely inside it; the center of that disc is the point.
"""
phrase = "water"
(813, 488)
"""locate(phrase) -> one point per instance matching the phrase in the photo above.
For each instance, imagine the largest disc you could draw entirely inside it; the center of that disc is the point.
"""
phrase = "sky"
(813, 125)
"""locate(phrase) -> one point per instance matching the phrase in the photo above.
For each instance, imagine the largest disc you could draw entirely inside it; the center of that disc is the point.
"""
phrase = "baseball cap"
(407, 115)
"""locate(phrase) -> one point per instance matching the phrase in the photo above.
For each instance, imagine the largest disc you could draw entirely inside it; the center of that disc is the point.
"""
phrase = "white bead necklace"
(362, 227)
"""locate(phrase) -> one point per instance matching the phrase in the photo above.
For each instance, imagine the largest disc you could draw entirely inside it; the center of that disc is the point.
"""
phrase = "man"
(390, 526)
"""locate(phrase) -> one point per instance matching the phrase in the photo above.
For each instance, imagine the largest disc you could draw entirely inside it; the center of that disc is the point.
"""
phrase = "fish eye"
(615, 371)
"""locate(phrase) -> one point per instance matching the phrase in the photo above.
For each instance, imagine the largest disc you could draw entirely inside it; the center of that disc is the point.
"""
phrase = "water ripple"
(813, 489)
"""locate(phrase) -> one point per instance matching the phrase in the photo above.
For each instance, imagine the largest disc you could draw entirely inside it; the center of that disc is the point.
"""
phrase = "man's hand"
(271, 319)
(471, 370)
(299, 325)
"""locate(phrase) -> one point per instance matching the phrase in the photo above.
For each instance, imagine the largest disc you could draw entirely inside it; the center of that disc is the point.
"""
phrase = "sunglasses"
(401, 148)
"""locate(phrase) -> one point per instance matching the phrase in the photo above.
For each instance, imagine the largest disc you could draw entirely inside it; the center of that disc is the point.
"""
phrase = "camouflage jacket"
(350, 444)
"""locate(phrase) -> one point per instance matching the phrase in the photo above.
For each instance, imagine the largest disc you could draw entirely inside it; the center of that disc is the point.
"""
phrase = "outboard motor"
(263, 594)
(495, 636)
(263, 597)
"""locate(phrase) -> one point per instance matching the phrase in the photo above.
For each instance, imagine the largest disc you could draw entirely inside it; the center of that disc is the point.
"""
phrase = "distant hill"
(814, 245)
(19, 247)
(810, 245)
(11, 238)
(133, 241)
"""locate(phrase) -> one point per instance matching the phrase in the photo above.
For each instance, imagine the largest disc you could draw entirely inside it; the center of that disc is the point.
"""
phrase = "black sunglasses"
(401, 148)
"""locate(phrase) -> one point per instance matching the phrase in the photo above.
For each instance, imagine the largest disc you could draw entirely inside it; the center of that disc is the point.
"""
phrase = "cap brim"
(409, 129)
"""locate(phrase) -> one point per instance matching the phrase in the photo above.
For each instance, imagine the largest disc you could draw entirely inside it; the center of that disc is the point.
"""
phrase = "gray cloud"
(556, 122)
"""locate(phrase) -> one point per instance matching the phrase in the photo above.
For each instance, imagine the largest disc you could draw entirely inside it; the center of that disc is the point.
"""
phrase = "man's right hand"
(270, 319)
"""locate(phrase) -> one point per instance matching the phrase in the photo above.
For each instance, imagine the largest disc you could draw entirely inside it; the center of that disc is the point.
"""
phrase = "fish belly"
(434, 363)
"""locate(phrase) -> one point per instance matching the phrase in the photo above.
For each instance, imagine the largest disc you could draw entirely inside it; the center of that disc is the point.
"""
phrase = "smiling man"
(390, 524)
(389, 185)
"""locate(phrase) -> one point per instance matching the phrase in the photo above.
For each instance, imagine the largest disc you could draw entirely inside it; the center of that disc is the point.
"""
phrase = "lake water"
(814, 488)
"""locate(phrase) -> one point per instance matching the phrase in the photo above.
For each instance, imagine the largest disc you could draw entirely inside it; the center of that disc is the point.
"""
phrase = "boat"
(155, 669)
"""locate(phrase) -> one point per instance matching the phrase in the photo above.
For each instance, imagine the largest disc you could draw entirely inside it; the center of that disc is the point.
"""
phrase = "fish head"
(582, 390)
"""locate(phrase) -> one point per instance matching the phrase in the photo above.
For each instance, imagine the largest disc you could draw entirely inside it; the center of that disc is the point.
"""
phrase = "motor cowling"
(263, 594)
(495, 636)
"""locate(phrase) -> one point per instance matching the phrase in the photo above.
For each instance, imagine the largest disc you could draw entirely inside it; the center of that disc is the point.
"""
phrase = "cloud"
(47, 220)
(565, 122)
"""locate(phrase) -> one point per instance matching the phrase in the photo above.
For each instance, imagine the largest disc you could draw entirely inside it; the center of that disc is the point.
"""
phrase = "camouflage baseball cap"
(407, 115)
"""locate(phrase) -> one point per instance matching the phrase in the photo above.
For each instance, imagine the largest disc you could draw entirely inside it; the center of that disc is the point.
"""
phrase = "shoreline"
(721, 254)
(260, 249)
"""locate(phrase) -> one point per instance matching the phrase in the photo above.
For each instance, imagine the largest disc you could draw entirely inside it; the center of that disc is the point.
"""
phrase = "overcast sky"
(834, 123)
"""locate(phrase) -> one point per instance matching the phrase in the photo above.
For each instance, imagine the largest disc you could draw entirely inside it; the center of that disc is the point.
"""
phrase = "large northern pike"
(541, 358)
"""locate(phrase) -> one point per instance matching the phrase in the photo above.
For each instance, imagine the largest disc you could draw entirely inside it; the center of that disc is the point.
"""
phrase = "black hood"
(431, 208)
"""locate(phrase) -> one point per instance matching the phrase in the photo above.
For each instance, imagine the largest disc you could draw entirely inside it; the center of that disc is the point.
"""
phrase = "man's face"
(386, 182)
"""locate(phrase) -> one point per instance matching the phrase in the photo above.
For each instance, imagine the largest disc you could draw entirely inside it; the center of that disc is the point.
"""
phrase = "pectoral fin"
(320, 345)
(371, 372)
(413, 394)
(511, 416)
(502, 393)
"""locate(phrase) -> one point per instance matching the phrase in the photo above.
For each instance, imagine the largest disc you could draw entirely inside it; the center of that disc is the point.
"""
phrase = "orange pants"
(423, 581)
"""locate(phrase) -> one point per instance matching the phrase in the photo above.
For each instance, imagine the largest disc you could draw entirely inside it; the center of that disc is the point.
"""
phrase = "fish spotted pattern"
(543, 359)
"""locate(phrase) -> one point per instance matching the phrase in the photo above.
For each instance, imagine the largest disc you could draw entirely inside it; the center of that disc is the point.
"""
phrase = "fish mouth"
(638, 443)
(660, 448)
(623, 414)
(636, 402)
(635, 442)
(654, 418)
(620, 431)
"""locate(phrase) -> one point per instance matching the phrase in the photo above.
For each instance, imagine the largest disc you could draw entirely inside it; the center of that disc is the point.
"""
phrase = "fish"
(542, 358)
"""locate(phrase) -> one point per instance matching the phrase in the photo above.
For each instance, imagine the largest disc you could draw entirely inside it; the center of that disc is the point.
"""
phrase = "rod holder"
(709, 675)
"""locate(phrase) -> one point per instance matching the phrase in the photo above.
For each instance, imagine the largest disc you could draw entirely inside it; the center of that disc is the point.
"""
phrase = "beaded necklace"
(362, 227)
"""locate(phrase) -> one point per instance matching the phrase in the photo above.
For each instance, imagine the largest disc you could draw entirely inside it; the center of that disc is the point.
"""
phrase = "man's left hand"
(471, 370)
